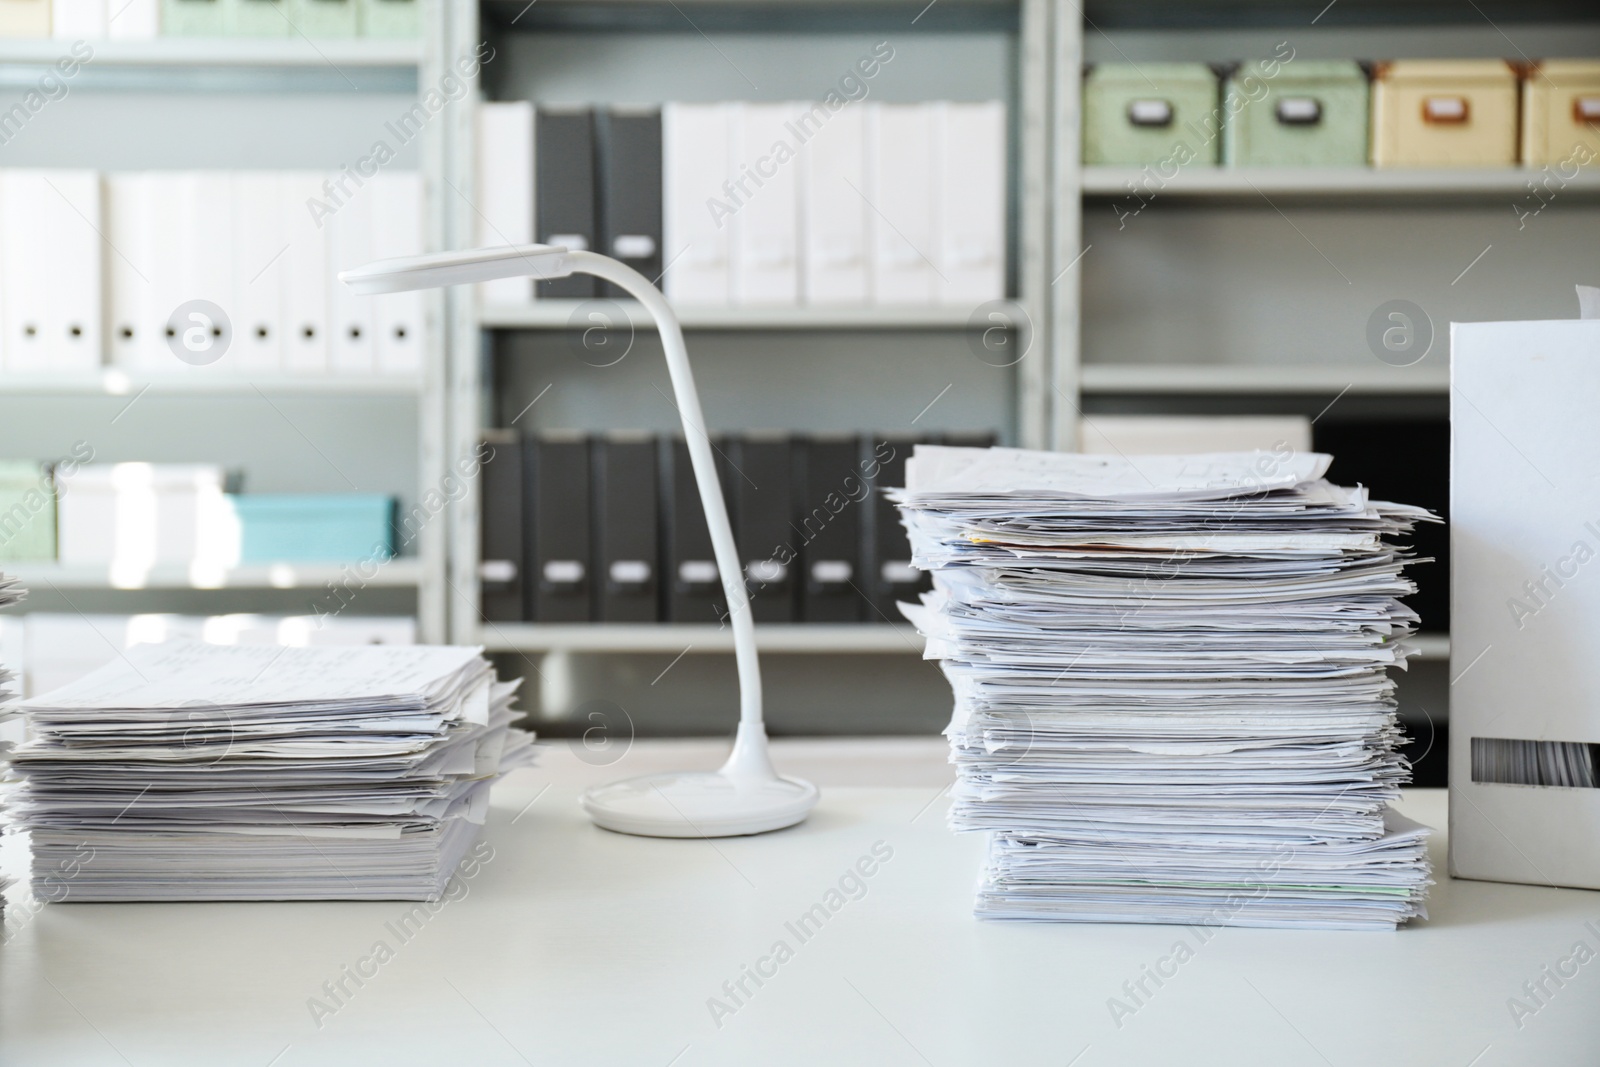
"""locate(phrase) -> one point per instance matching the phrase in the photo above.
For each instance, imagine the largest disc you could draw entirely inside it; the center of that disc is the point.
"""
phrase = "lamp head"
(441, 269)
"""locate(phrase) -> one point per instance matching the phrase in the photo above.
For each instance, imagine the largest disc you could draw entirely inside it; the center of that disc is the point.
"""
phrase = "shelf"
(41, 577)
(1259, 183)
(293, 51)
(563, 314)
(675, 638)
(752, 16)
(118, 383)
(1189, 379)
(222, 65)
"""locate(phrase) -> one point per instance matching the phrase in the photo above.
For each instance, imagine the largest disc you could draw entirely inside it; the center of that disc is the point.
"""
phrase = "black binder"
(500, 541)
(763, 493)
(557, 517)
(626, 525)
(694, 590)
(889, 569)
(829, 521)
(630, 190)
(564, 191)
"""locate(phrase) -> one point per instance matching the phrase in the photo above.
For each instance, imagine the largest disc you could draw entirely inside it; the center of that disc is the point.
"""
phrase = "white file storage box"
(134, 516)
(1525, 602)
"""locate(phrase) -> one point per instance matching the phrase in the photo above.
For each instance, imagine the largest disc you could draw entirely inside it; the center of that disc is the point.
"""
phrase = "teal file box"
(324, 18)
(1151, 113)
(1308, 114)
(255, 18)
(27, 512)
(191, 18)
(314, 528)
(388, 18)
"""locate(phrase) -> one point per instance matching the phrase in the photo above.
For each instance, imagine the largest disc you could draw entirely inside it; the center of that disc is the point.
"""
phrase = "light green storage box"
(191, 18)
(324, 18)
(1151, 113)
(255, 18)
(1308, 114)
(388, 18)
(27, 511)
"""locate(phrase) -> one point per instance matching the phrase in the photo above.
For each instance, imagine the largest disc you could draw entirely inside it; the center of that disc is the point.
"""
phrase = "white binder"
(73, 225)
(699, 217)
(78, 20)
(133, 20)
(129, 260)
(50, 270)
(260, 247)
(834, 215)
(24, 271)
(766, 249)
(350, 315)
(505, 190)
(169, 200)
(305, 275)
(397, 231)
(206, 261)
(900, 172)
(971, 225)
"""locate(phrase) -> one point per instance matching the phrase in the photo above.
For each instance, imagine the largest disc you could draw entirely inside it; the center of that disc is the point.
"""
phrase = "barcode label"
(1563, 763)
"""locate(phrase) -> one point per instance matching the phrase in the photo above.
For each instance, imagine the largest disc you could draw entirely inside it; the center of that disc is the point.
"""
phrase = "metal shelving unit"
(468, 322)
(1319, 371)
(1053, 196)
(352, 68)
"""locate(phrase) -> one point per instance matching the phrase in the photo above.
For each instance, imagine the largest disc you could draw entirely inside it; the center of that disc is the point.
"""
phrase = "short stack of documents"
(10, 593)
(189, 771)
(1171, 698)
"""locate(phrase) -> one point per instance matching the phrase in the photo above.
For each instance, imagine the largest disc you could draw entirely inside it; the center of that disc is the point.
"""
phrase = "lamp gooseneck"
(746, 796)
(687, 397)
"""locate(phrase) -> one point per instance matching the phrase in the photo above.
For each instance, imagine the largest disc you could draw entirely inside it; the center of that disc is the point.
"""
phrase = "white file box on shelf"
(1525, 608)
(132, 517)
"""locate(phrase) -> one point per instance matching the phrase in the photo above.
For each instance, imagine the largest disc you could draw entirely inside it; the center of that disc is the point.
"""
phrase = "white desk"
(575, 946)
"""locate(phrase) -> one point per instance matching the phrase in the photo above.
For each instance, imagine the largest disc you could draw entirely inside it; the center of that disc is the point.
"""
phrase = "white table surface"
(576, 946)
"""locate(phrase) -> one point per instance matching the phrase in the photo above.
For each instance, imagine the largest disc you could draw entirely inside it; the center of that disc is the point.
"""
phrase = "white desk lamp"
(745, 796)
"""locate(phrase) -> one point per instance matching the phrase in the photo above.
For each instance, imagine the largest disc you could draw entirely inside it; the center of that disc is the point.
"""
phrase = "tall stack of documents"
(1171, 699)
(188, 771)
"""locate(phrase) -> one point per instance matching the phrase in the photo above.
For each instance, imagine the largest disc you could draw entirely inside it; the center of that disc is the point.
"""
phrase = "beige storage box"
(1444, 113)
(1561, 112)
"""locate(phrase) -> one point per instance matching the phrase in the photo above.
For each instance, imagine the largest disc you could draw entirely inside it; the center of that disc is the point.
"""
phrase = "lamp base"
(699, 804)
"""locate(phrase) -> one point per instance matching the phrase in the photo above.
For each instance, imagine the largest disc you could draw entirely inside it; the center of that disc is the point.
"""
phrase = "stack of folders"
(87, 20)
(137, 250)
(187, 771)
(610, 528)
(1170, 678)
(756, 204)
